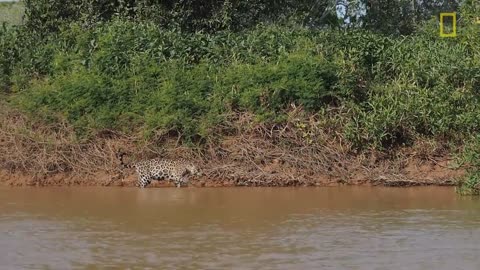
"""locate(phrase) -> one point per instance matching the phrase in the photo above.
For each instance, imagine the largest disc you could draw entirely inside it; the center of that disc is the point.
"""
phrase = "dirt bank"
(411, 173)
(252, 154)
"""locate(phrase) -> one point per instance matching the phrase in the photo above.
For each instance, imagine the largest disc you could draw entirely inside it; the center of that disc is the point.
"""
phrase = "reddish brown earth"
(410, 173)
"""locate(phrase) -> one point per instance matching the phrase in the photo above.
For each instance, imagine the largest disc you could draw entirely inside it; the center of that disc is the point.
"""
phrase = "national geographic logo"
(452, 27)
(453, 32)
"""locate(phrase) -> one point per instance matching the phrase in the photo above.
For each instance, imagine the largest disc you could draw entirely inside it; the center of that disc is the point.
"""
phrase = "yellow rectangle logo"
(454, 24)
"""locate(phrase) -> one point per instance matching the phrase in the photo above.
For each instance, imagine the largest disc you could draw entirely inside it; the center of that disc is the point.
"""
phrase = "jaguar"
(179, 170)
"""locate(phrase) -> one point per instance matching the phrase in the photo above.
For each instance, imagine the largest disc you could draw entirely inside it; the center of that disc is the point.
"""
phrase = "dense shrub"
(8, 55)
(135, 75)
(471, 157)
(398, 112)
(172, 96)
(47, 15)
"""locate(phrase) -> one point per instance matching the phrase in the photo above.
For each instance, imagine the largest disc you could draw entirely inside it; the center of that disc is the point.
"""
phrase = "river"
(238, 228)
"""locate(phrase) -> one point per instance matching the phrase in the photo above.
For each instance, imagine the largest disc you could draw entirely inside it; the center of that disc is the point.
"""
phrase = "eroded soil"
(411, 173)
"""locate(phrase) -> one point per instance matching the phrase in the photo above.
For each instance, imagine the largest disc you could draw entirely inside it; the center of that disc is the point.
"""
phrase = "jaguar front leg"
(182, 180)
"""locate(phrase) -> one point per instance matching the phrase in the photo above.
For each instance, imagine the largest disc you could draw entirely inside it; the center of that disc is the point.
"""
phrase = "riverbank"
(247, 160)
(422, 174)
(278, 103)
(304, 151)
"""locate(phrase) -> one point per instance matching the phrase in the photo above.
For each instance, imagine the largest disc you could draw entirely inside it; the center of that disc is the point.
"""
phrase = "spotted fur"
(178, 171)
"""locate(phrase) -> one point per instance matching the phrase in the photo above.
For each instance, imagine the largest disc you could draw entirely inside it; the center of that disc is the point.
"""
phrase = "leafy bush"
(398, 112)
(8, 55)
(11, 13)
(471, 156)
(125, 73)
(48, 16)
(173, 96)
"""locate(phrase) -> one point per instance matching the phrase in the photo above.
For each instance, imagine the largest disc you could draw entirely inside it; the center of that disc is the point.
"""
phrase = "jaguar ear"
(119, 154)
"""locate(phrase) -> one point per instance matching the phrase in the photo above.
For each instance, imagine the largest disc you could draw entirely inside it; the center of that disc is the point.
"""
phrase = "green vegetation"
(11, 12)
(471, 156)
(130, 71)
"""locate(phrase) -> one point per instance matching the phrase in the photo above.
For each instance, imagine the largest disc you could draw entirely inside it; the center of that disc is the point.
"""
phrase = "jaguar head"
(194, 170)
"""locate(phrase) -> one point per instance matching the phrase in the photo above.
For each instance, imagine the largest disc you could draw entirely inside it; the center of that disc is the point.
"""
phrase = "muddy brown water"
(238, 228)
